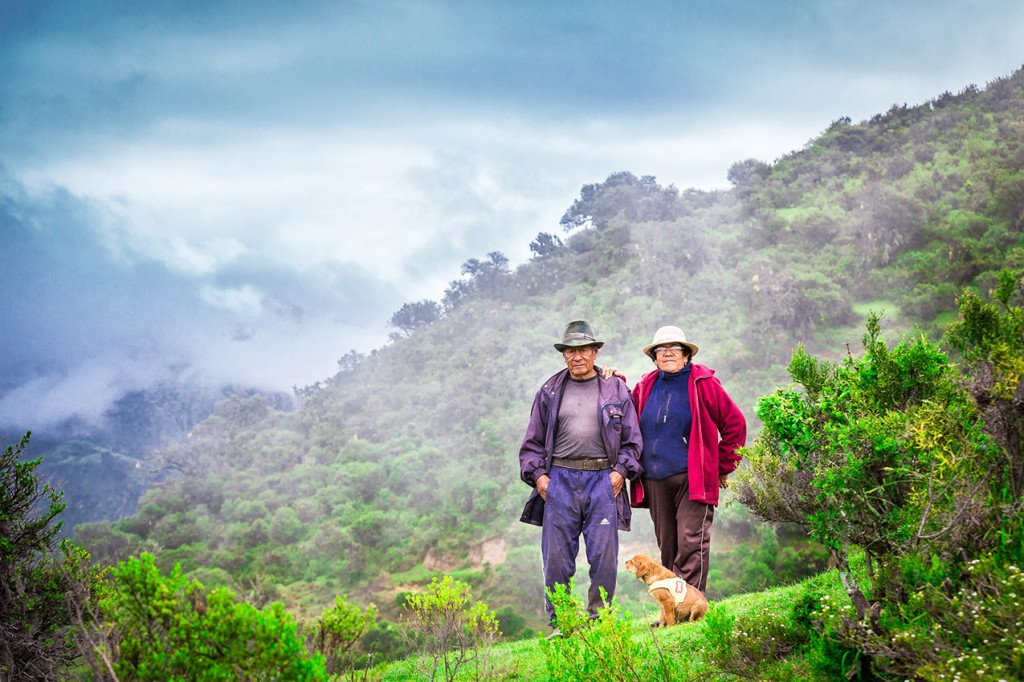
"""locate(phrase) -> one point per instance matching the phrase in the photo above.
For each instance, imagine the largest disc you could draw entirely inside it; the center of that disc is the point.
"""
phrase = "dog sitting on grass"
(679, 601)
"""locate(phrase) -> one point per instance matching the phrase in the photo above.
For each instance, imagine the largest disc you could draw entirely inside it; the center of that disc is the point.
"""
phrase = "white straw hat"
(667, 335)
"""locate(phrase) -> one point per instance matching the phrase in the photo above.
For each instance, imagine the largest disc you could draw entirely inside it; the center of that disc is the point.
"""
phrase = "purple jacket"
(620, 429)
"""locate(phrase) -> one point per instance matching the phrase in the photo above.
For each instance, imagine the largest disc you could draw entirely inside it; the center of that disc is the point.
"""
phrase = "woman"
(691, 431)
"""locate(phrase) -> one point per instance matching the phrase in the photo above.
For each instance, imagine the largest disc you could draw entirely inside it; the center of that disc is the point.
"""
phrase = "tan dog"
(679, 600)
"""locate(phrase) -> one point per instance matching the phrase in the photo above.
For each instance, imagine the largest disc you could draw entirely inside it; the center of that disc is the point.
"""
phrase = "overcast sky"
(247, 190)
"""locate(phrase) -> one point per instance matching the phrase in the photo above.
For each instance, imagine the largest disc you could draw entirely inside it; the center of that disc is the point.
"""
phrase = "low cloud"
(247, 194)
(86, 323)
(245, 301)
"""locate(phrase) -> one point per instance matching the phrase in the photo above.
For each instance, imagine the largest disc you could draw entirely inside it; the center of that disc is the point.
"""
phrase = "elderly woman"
(691, 431)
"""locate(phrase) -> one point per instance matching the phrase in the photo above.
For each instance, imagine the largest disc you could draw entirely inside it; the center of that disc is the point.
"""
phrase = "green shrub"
(763, 644)
(286, 527)
(160, 628)
(338, 632)
(899, 454)
(880, 452)
(449, 630)
(604, 648)
(512, 624)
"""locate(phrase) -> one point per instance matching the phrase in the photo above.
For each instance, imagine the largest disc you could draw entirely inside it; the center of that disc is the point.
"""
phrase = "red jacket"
(714, 413)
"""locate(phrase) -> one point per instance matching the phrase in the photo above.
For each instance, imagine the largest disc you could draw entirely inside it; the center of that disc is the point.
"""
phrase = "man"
(582, 443)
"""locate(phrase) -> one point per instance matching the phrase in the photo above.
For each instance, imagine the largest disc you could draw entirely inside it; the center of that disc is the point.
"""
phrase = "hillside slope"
(404, 462)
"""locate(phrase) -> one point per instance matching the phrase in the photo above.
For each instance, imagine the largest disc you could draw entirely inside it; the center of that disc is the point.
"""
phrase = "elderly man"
(582, 443)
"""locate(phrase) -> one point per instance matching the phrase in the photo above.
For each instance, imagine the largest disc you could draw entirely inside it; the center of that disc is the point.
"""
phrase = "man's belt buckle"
(582, 464)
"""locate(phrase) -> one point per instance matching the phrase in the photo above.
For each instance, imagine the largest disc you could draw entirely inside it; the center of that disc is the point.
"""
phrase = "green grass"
(887, 308)
(687, 648)
(417, 575)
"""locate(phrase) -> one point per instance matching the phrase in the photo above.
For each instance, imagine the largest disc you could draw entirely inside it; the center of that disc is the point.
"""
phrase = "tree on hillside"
(212, 447)
(990, 336)
(889, 224)
(787, 300)
(486, 274)
(891, 453)
(885, 452)
(485, 278)
(37, 571)
(745, 176)
(350, 361)
(545, 245)
(623, 194)
(413, 316)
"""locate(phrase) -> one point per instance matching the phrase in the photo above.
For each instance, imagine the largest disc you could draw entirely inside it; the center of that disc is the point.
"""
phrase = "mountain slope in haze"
(404, 462)
(102, 467)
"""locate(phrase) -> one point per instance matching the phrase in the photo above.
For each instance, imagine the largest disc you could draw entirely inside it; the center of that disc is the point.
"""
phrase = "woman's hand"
(609, 372)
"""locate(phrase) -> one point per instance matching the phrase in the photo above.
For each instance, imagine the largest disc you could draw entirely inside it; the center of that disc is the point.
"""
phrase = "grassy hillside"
(403, 465)
(764, 635)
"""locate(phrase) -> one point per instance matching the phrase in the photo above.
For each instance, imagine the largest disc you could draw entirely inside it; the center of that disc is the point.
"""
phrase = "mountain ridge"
(409, 451)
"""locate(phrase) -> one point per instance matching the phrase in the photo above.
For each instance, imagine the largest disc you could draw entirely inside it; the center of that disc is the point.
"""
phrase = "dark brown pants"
(682, 527)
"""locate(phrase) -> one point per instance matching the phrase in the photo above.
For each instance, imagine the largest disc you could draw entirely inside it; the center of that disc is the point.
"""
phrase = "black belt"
(583, 464)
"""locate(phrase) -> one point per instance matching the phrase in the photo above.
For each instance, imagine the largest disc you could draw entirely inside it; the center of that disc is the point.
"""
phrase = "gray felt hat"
(577, 333)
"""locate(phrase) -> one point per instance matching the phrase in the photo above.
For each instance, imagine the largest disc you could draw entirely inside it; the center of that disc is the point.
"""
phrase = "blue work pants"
(580, 502)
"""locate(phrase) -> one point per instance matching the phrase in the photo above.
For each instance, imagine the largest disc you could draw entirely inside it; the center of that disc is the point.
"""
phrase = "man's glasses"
(661, 350)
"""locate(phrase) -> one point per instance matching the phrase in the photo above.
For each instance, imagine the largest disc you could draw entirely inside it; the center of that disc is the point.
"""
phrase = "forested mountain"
(102, 467)
(404, 462)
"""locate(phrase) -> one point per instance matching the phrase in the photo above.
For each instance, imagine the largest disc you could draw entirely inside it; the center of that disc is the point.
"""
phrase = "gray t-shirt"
(578, 430)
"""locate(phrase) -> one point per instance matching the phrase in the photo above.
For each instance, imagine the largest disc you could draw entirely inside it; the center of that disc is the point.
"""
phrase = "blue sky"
(247, 190)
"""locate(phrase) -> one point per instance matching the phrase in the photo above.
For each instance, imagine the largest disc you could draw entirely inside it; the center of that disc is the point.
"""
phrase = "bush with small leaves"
(923, 467)
(159, 628)
(450, 630)
(886, 452)
(338, 632)
(603, 648)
